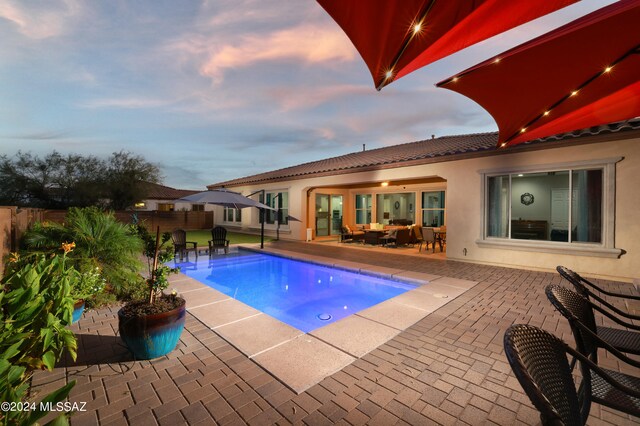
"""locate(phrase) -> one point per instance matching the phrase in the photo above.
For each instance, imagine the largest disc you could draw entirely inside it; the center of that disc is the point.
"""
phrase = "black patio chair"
(583, 286)
(181, 245)
(218, 240)
(579, 311)
(539, 362)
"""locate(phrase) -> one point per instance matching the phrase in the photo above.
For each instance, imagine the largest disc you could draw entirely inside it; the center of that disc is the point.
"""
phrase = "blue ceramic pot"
(152, 336)
(78, 310)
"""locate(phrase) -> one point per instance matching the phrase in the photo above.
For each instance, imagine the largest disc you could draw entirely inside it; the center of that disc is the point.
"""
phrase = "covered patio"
(448, 368)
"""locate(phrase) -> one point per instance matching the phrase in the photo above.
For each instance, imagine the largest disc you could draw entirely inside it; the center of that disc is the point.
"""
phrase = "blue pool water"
(297, 293)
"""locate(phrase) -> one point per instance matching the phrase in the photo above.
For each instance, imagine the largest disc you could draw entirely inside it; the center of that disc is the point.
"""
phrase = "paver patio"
(448, 368)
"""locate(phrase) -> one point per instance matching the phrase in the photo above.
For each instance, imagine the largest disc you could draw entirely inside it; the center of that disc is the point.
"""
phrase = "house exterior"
(570, 199)
(163, 198)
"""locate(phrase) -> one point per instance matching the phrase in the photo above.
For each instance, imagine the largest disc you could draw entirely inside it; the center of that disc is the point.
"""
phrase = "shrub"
(36, 306)
(101, 241)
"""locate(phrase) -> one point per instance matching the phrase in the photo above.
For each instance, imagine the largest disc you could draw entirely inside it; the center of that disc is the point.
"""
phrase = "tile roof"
(160, 192)
(445, 148)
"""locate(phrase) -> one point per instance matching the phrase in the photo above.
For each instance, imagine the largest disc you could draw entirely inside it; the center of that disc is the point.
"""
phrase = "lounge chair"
(347, 234)
(539, 362)
(218, 240)
(181, 245)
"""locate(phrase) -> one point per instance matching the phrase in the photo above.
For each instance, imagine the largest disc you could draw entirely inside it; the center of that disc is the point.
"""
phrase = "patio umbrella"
(583, 74)
(397, 37)
(231, 199)
(224, 197)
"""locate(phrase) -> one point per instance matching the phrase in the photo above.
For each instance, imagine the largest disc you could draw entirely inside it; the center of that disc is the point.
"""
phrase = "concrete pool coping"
(300, 360)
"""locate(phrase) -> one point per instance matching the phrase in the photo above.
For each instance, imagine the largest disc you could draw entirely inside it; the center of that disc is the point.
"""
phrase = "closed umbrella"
(583, 74)
(396, 37)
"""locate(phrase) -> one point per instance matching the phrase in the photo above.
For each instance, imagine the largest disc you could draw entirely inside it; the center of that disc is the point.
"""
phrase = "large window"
(433, 208)
(280, 202)
(396, 208)
(560, 205)
(363, 209)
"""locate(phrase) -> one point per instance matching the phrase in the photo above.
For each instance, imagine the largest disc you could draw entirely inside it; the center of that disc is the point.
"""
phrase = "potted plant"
(152, 327)
(85, 290)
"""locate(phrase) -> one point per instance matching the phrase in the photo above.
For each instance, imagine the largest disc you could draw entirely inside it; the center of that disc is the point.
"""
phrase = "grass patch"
(202, 237)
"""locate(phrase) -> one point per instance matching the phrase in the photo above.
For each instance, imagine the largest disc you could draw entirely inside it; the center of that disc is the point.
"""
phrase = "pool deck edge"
(266, 340)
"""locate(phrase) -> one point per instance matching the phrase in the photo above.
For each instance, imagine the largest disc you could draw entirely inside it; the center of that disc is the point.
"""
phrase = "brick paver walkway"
(448, 368)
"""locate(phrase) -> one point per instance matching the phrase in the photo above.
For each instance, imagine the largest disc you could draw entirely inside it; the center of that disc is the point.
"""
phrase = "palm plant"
(101, 242)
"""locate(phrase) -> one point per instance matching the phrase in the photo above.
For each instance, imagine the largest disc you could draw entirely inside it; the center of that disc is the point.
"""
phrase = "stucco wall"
(464, 205)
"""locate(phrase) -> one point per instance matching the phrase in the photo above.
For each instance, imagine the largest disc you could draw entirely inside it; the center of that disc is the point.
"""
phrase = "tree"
(59, 182)
(125, 174)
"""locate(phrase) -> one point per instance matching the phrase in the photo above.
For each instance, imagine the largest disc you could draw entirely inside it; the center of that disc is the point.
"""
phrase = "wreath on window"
(526, 199)
(397, 205)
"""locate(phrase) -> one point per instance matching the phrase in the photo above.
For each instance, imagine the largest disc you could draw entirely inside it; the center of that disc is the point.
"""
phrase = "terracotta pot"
(152, 336)
(78, 310)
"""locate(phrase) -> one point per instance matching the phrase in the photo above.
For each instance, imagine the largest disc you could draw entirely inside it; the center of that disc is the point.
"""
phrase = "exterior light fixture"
(384, 184)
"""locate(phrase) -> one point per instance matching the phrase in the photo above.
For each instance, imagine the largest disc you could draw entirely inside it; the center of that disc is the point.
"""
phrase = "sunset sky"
(220, 89)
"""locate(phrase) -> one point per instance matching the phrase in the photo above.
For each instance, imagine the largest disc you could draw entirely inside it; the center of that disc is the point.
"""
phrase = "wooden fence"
(168, 221)
(14, 222)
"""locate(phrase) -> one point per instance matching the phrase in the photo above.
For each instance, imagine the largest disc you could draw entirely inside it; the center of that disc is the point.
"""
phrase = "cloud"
(46, 20)
(126, 103)
(305, 44)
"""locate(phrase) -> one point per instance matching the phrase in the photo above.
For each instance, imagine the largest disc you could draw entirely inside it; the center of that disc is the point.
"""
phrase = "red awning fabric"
(583, 74)
(383, 30)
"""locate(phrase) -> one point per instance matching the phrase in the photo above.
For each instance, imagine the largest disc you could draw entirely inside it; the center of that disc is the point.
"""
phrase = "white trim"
(551, 167)
(604, 249)
(551, 247)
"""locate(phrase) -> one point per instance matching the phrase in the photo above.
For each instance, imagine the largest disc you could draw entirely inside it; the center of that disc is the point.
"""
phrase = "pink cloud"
(40, 22)
(306, 43)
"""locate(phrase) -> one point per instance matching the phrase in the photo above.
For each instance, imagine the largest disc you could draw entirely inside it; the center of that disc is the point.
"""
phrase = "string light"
(575, 92)
(524, 129)
(546, 113)
(607, 69)
(496, 61)
(412, 32)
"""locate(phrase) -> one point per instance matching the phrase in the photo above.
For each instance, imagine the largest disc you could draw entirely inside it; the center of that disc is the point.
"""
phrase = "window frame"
(368, 209)
(606, 248)
(270, 216)
(236, 213)
(433, 209)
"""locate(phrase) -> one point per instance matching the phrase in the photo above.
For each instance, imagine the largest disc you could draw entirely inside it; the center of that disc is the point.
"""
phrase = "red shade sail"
(583, 74)
(396, 37)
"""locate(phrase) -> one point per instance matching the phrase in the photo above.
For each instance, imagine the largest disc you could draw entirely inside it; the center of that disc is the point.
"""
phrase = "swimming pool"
(304, 295)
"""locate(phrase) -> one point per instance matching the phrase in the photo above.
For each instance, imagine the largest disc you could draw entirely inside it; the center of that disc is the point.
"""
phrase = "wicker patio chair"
(539, 362)
(399, 237)
(579, 311)
(583, 286)
(181, 245)
(218, 240)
